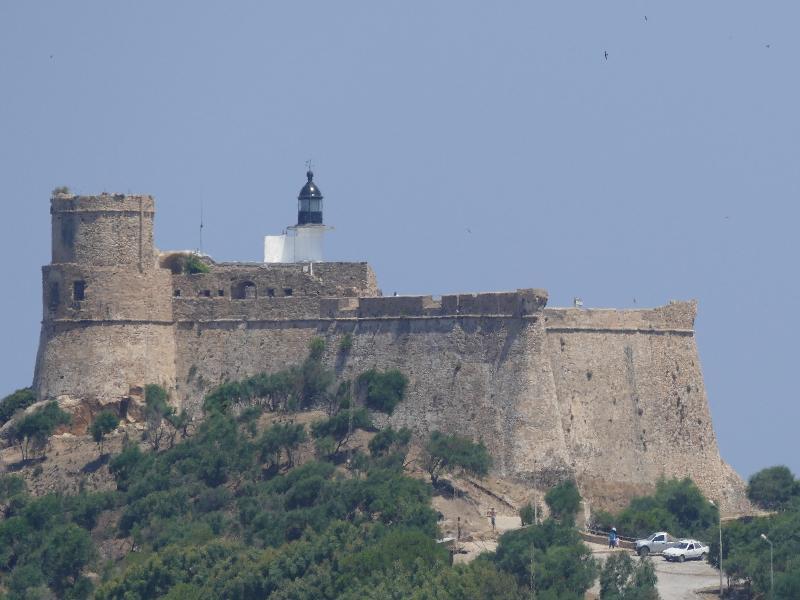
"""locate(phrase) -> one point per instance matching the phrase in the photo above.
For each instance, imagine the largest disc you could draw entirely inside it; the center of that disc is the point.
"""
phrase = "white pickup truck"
(687, 550)
(655, 544)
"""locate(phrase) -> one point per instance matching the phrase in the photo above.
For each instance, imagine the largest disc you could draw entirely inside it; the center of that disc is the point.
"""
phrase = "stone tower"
(107, 325)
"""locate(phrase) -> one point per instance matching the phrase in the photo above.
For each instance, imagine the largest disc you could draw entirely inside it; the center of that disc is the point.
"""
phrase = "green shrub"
(527, 514)
(383, 391)
(341, 426)
(346, 343)
(773, 488)
(195, 265)
(622, 578)
(450, 453)
(103, 424)
(19, 400)
(564, 500)
(563, 566)
(31, 432)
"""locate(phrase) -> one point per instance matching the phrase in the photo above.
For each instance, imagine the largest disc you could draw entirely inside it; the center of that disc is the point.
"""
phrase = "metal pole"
(719, 510)
(771, 571)
(771, 575)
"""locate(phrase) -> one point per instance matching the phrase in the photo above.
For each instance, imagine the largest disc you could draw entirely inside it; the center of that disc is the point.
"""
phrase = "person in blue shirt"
(612, 538)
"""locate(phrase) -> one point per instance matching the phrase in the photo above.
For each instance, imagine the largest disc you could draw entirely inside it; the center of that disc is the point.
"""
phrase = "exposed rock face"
(614, 398)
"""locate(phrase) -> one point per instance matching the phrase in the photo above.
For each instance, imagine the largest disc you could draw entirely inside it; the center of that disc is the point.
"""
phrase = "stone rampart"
(612, 397)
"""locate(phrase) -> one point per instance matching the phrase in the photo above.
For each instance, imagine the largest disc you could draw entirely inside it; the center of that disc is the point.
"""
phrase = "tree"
(19, 400)
(563, 567)
(772, 488)
(32, 431)
(390, 440)
(449, 453)
(564, 500)
(103, 424)
(677, 506)
(157, 415)
(341, 426)
(527, 514)
(382, 391)
(279, 438)
(622, 579)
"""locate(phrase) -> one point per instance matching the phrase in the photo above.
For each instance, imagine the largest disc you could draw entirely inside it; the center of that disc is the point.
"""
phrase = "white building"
(302, 242)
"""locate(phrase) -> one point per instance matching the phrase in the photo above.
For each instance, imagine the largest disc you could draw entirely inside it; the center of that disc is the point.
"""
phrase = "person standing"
(613, 538)
(493, 517)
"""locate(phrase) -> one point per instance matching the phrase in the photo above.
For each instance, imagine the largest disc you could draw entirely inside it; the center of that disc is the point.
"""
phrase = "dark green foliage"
(103, 424)
(449, 453)
(280, 438)
(677, 506)
(346, 343)
(564, 500)
(158, 415)
(563, 567)
(382, 391)
(291, 389)
(19, 400)
(45, 543)
(194, 265)
(31, 432)
(61, 189)
(341, 426)
(746, 554)
(526, 514)
(773, 488)
(625, 578)
(389, 441)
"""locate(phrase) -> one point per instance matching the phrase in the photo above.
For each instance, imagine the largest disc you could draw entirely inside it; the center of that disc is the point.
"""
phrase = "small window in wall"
(271, 292)
(220, 293)
(55, 297)
(287, 291)
(176, 293)
(206, 293)
(78, 291)
(244, 290)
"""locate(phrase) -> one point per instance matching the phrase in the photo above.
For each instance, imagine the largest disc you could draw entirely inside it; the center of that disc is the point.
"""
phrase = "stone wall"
(632, 400)
(103, 360)
(105, 230)
(614, 398)
(228, 280)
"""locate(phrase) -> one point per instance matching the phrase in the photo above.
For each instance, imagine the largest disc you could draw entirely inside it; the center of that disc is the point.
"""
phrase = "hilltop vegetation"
(224, 508)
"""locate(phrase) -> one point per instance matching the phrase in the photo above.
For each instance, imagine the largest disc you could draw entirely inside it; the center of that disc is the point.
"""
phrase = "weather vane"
(308, 164)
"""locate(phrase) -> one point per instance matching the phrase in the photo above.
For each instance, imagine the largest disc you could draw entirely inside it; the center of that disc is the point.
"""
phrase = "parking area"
(676, 581)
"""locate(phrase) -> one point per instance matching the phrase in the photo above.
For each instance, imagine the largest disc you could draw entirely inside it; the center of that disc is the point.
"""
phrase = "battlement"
(675, 316)
(218, 306)
(102, 203)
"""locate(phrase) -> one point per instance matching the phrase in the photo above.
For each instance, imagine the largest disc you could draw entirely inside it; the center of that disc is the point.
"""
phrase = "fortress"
(614, 398)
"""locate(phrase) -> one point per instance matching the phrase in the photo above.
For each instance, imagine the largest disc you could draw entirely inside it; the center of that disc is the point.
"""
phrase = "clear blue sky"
(669, 170)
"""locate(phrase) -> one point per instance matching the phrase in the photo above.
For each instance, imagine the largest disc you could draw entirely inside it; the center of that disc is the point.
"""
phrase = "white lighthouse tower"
(302, 242)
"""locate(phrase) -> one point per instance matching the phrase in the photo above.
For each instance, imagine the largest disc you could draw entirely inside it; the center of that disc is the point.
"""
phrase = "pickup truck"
(655, 544)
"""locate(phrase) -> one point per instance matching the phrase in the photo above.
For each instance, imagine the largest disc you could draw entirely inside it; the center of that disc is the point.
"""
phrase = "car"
(655, 543)
(687, 550)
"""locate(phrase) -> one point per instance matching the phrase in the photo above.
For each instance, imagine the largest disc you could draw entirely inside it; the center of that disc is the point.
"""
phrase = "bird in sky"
(645, 18)
(606, 54)
(469, 230)
(767, 45)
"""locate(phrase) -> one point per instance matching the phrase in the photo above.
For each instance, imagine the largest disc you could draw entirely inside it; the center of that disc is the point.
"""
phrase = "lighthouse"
(302, 242)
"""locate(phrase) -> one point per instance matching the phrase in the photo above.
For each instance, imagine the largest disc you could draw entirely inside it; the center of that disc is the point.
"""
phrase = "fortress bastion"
(614, 398)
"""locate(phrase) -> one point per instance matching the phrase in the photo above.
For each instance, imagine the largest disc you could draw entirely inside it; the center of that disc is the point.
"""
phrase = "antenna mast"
(201, 227)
